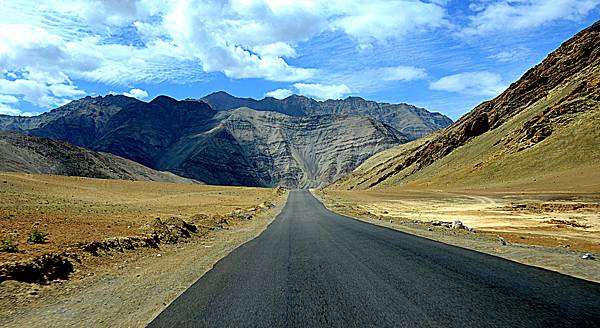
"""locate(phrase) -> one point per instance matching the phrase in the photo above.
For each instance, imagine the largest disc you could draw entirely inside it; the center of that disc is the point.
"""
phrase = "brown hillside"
(29, 154)
(539, 133)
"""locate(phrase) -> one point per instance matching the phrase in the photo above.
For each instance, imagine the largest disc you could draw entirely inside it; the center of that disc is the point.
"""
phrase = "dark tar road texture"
(314, 268)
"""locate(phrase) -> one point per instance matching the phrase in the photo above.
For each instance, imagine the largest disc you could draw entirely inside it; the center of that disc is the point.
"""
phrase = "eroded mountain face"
(412, 121)
(547, 120)
(236, 147)
(247, 147)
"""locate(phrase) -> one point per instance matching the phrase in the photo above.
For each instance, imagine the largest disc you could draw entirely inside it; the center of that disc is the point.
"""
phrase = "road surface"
(314, 268)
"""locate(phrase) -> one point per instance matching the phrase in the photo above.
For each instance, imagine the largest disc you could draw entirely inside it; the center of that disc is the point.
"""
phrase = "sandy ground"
(550, 230)
(128, 289)
(75, 209)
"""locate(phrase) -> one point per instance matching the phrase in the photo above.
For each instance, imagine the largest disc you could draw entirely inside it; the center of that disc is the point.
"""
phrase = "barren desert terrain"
(77, 210)
(550, 230)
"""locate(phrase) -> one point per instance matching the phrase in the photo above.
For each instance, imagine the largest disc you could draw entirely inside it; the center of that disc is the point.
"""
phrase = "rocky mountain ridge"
(236, 147)
(412, 121)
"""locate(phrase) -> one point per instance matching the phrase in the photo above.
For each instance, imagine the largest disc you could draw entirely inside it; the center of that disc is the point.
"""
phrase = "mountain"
(248, 147)
(79, 122)
(412, 121)
(235, 147)
(542, 132)
(22, 153)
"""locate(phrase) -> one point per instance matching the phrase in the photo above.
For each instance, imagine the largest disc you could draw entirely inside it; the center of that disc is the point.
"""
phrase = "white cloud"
(220, 35)
(372, 79)
(40, 90)
(523, 14)
(322, 91)
(32, 91)
(471, 83)
(402, 73)
(279, 93)
(66, 90)
(184, 39)
(275, 49)
(511, 55)
(34, 62)
(8, 110)
(5, 107)
(370, 21)
(8, 99)
(45, 46)
(98, 13)
(136, 93)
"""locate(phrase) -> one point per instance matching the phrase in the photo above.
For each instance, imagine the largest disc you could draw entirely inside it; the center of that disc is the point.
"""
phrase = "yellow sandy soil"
(550, 219)
(75, 209)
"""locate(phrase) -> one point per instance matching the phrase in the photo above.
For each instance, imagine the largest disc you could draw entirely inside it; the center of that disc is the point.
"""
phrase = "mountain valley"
(131, 208)
(239, 146)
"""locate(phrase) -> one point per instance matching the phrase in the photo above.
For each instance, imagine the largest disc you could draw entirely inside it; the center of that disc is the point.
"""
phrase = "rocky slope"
(412, 121)
(22, 153)
(79, 122)
(237, 147)
(541, 131)
(249, 147)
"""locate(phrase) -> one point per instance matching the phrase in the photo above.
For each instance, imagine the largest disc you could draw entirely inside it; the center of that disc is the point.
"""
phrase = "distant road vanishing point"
(314, 268)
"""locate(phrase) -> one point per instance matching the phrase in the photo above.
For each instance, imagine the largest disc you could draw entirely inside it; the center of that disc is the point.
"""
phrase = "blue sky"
(444, 55)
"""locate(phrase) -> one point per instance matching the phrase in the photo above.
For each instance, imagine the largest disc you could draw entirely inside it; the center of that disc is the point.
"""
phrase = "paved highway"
(314, 268)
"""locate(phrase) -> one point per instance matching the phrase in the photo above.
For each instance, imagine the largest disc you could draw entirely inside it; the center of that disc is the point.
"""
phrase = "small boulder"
(588, 256)
(457, 224)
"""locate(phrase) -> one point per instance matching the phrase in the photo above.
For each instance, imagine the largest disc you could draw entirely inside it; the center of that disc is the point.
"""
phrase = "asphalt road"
(314, 268)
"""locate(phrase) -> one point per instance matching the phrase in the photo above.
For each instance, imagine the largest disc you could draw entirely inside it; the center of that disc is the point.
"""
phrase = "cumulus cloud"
(8, 99)
(136, 93)
(33, 62)
(471, 83)
(239, 38)
(279, 93)
(221, 34)
(370, 21)
(65, 90)
(47, 46)
(322, 91)
(493, 16)
(5, 105)
(276, 49)
(8, 110)
(32, 91)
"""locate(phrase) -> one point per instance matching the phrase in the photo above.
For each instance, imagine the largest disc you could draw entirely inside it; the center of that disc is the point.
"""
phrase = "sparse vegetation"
(571, 223)
(36, 236)
(80, 210)
(8, 245)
